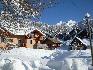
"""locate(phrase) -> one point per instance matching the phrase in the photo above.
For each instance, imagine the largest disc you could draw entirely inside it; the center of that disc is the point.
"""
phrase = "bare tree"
(24, 9)
(87, 18)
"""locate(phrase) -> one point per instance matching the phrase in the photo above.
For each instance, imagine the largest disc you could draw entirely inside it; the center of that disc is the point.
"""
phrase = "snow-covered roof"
(1, 29)
(23, 31)
(85, 41)
(4, 31)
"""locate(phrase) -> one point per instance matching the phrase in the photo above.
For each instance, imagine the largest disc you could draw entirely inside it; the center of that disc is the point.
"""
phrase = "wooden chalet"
(4, 33)
(77, 41)
(29, 41)
(52, 43)
(77, 44)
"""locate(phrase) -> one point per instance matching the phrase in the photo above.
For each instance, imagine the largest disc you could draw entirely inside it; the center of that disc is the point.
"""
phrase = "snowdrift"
(40, 59)
(14, 64)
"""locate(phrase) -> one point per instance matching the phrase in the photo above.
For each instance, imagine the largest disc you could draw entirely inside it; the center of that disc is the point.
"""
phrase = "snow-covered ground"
(40, 59)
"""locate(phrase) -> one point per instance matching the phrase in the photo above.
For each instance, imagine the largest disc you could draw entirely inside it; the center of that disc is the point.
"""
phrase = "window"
(2, 39)
(30, 41)
(10, 40)
(20, 43)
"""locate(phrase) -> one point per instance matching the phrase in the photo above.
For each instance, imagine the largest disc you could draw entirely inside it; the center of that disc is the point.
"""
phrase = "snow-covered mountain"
(59, 23)
(70, 23)
(27, 25)
(24, 25)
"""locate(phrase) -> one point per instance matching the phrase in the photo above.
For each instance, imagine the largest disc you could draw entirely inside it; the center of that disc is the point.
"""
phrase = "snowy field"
(40, 59)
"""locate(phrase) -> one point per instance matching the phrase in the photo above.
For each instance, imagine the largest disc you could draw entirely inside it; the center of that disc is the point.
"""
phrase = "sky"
(67, 10)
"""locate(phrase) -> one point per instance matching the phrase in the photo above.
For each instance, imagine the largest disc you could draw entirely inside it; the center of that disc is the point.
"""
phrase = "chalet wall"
(23, 40)
(0, 39)
(15, 40)
(29, 44)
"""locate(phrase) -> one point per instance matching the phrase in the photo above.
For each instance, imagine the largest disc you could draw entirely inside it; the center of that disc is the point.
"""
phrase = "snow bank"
(70, 60)
(25, 59)
(40, 59)
(27, 53)
(13, 64)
